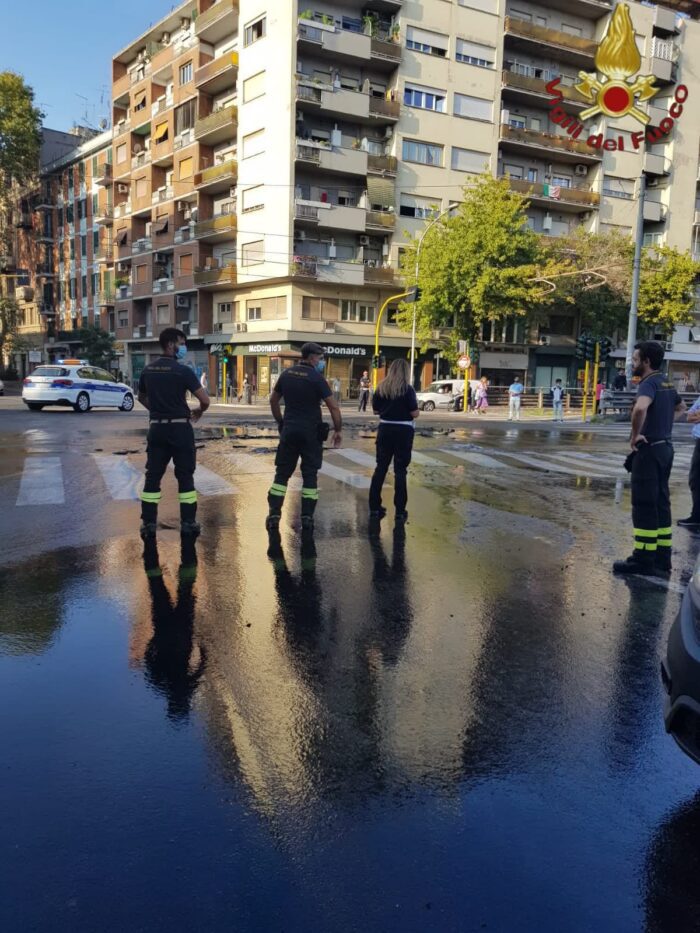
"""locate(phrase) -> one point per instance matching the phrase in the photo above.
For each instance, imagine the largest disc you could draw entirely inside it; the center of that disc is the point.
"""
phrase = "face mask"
(181, 352)
(320, 366)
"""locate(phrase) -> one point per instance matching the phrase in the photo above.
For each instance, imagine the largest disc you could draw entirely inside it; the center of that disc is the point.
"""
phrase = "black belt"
(169, 420)
(656, 443)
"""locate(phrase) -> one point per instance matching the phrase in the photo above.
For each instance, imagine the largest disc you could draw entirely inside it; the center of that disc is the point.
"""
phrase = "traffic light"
(375, 362)
(414, 294)
(590, 348)
(474, 354)
(225, 359)
(581, 346)
(605, 347)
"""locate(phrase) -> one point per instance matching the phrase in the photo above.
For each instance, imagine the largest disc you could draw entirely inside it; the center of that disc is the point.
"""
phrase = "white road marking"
(476, 458)
(209, 483)
(42, 482)
(357, 456)
(122, 479)
(250, 463)
(358, 480)
(424, 460)
(555, 467)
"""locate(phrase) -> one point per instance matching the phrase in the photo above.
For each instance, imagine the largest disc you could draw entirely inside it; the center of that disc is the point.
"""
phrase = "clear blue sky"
(65, 49)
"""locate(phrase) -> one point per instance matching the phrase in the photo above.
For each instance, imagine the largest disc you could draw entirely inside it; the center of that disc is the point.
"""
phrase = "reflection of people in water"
(672, 891)
(168, 658)
(391, 612)
(299, 600)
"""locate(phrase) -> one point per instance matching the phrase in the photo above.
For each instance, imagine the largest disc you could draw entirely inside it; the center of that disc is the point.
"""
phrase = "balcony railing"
(162, 194)
(305, 92)
(106, 297)
(380, 107)
(104, 215)
(308, 153)
(104, 174)
(546, 140)
(519, 82)
(384, 219)
(385, 165)
(226, 275)
(223, 223)
(226, 116)
(376, 275)
(163, 285)
(389, 51)
(305, 212)
(184, 235)
(141, 158)
(216, 68)
(123, 291)
(583, 196)
(214, 13)
(525, 30)
(142, 245)
(161, 105)
(122, 210)
(227, 170)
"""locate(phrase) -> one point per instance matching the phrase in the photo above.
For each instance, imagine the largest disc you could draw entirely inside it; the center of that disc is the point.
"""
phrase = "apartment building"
(271, 160)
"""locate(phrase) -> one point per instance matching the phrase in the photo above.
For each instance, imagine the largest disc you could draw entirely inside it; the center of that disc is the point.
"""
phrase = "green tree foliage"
(667, 288)
(98, 346)
(9, 325)
(20, 129)
(482, 264)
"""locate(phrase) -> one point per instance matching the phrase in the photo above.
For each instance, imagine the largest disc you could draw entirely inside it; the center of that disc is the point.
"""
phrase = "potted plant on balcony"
(395, 33)
(370, 22)
(307, 14)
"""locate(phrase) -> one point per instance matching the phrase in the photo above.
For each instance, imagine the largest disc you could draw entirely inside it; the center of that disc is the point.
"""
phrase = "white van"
(442, 394)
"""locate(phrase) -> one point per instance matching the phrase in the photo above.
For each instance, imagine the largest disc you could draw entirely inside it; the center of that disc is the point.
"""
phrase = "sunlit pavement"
(457, 728)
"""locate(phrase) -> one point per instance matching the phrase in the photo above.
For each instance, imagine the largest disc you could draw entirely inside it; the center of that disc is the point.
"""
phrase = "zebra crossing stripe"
(424, 460)
(122, 479)
(357, 480)
(357, 456)
(249, 463)
(478, 459)
(42, 482)
(209, 483)
(555, 467)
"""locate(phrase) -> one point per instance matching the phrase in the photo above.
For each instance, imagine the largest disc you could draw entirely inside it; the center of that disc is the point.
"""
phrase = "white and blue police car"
(76, 384)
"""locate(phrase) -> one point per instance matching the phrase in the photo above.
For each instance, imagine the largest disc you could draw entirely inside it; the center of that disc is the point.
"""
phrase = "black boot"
(663, 560)
(692, 523)
(641, 562)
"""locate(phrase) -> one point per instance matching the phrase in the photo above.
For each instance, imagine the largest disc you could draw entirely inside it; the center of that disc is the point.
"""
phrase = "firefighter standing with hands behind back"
(657, 406)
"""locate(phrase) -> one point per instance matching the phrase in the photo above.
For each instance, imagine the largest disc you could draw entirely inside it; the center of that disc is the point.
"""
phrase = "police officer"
(162, 390)
(302, 432)
(654, 412)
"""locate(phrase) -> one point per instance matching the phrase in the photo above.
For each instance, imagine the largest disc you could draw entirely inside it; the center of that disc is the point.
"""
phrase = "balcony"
(120, 127)
(384, 110)
(122, 210)
(382, 165)
(222, 227)
(105, 215)
(161, 105)
(534, 90)
(217, 177)
(183, 235)
(345, 103)
(218, 74)
(381, 220)
(331, 216)
(104, 174)
(383, 50)
(656, 164)
(123, 291)
(217, 22)
(218, 126)
(142, 245)
(140, 159)
(341, 161)
(218, 278)
(165, 193)
(564, 199)
(162, 286)
(654, 211)
(378, 275)
(567, 149)
(530, 38)
(338, 43)
(105, 251)
(106, 297)
(141, 331)
(664, 55)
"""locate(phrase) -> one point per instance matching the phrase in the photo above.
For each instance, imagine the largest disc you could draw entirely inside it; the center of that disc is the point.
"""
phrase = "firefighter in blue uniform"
(658, 404)
(163, 388)
(302, 432)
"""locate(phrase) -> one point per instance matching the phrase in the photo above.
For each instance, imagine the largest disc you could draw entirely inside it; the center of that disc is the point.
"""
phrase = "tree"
(98, 346)
(9, 326)
(667, 288)
(483, 264)
(20, 129)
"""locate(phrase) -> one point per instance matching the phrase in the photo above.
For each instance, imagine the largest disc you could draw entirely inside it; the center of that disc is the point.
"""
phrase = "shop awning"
(380, 192)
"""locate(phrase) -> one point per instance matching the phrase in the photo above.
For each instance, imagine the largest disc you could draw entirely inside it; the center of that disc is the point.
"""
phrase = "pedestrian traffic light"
(605, 347)
(474, 355)
(581, 346)
(375, 362)
(225, 357)
(590, 348)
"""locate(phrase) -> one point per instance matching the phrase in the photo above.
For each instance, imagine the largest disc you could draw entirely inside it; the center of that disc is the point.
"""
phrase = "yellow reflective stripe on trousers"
(665, 537)
(150, 497)
(309, 493)
(278, 490)
(641, 546)
(645, 533)
(189, 498)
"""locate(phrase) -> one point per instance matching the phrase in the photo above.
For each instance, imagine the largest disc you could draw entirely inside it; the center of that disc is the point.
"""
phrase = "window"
(420, 208)
(253, 253)
(121, 153)
(185, 264)
(123, 319)
(185, 73)
(254, 312)
(253, 144)
(83, 286)
(95, 204)
(473, 53)
(532, 174)
(140, 101)
(224, 311)
(255, 30)
(535, 124)
(564, 181)
(310, 308)
(72, 249)
(254, 87)
(185, 116)
(94, 166)
(426, 153)
(253, 198)
(95, 240)
(432, 43)
(81, 171)
(185, 168)
(467, 160)
(521, 15)
(425, 98)
(561, 325)
(618, 187)
(83, 245)
(141, 274)
(141, 188)
(95, 283)
(357, 312)
(72, 288)
(475, 108)
(571, 30)
(162, 314)
(518, 123)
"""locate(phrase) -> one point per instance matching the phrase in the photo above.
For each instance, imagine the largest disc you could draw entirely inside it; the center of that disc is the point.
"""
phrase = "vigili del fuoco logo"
(615, 89)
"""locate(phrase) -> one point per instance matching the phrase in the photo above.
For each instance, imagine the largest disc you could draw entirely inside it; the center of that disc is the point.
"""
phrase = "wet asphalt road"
(455, 729)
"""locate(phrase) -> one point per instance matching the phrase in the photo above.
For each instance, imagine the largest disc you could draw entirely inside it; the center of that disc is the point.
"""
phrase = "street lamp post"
(452, 205)
(636, 271)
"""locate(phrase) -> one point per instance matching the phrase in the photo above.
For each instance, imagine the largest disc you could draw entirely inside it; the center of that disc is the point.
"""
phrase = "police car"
(75, 383)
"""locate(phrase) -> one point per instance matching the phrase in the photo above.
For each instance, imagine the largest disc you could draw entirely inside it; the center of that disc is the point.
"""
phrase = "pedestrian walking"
(620, 382)
(693, 520)
(162, 390)
(515, 395)
(336, 389)
(397, 406)
(204, 380)
(557, 391)
(650, 461)
(244, 390)
(364, 391)
(482, 393)
(302, 432)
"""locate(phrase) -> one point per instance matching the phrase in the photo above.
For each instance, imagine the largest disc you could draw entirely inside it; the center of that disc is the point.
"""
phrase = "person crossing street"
(693, 520)
(657, 405)
(163, 388)
(302, 432)
(515, 396)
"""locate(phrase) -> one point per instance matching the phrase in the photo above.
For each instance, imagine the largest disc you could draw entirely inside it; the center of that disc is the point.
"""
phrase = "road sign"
(464, 362)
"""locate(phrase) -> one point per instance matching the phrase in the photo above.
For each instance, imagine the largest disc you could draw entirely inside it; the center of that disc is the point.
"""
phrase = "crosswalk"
(43, 478)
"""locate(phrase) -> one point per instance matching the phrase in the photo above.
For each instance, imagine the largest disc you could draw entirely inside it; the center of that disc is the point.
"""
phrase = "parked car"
(680, 672)
(440, 394)
(77, 384)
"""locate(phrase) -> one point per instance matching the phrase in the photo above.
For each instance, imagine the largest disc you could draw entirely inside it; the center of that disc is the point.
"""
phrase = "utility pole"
(636, 271)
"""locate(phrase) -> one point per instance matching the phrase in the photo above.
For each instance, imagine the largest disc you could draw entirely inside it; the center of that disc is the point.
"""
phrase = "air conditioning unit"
(182, 301)
(182, 205)
(165, 38)
(185, 22)
(241, 327)
(162, 258)
(122, 267)
(580, 169)
(122, 188)
(364, 240)
(547, 222)
(389, 132)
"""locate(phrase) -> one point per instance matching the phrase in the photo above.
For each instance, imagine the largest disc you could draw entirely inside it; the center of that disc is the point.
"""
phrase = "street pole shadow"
(169, 656)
